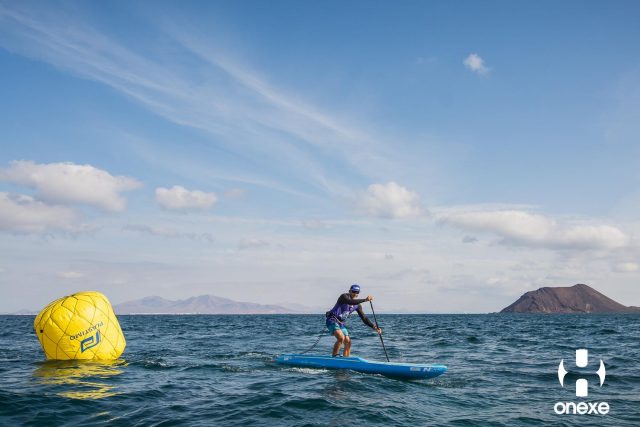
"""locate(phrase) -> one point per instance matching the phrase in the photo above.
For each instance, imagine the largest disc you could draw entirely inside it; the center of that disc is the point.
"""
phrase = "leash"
(322, 334)
(315, 343)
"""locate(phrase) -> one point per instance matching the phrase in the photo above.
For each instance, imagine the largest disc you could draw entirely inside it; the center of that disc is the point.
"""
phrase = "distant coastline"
(203, 304)
(577, 299)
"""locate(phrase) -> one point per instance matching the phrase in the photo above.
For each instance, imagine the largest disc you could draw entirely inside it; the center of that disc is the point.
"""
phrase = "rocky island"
(579, 298)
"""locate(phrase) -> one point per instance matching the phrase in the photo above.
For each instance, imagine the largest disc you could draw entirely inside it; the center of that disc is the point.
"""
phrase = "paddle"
(380, 334)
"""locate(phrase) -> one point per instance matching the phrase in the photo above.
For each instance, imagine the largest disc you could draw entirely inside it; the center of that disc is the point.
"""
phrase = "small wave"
(309, 371)
(231, 368)
(204, 366)
(241, 355)
(251, 354)
(441, 383)
(264, 357)
(492, 365)
(154, 364)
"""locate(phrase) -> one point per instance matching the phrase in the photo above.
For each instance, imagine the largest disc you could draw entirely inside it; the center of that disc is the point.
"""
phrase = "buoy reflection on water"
(80, 379)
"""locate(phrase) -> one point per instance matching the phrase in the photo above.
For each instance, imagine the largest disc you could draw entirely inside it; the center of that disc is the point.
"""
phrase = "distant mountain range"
(203, 304)
(574, 299)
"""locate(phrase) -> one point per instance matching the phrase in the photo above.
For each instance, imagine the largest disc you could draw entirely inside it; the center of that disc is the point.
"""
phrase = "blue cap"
(355, 288)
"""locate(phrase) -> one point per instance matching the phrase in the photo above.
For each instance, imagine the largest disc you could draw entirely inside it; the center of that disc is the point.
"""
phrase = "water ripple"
(219, 370)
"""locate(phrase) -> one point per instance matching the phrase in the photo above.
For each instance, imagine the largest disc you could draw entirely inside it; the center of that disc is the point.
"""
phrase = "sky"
(446, 156)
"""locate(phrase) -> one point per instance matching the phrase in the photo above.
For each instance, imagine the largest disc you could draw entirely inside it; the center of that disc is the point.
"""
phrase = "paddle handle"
(380, 334)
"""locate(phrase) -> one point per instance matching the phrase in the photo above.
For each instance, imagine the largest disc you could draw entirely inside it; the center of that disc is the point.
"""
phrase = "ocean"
(219, 371)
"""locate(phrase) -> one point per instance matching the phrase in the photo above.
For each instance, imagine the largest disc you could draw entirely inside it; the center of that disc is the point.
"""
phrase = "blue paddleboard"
(391, 369)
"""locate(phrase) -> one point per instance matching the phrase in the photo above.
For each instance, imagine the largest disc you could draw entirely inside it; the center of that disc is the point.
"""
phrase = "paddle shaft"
(380, 334)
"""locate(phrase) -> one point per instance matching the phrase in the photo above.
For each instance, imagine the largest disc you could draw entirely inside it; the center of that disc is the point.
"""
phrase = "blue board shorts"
(333, 326)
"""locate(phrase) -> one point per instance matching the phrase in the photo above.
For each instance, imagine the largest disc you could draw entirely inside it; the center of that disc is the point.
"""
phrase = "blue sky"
(447, 156)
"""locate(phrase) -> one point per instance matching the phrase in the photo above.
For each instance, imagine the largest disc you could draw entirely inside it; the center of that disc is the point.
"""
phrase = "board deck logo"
(582, 388)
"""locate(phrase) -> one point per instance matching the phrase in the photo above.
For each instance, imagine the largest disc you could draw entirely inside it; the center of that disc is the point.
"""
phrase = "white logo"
(582, 389)
(582, 385)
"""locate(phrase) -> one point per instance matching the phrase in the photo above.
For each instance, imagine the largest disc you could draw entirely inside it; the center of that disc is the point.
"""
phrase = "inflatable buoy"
(80, 326)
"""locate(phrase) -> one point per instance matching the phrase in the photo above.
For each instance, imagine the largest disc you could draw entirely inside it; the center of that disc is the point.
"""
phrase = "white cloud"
(476, 64)
(169, 233)
(469, 239)
(626, 267)
(391, 201)
(70, 275)
(231, 102)
(69, 183)
(236, 193)
(527, 229)
(179, 198)
(252, 243)
(314, 224)
(24, 214)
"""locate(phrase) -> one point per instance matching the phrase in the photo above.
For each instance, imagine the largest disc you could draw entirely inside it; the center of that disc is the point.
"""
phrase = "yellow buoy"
(80, 326)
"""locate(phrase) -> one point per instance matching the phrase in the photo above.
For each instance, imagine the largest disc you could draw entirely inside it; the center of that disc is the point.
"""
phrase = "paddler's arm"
(346, 299)
(364, 318)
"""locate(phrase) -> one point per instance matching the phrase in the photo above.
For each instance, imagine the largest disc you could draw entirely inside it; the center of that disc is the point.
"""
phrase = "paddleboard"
(391, 369)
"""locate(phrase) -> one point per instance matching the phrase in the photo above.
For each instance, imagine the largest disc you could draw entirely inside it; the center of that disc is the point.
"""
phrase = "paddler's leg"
(339, 340)
(347, 346)
(347, 341)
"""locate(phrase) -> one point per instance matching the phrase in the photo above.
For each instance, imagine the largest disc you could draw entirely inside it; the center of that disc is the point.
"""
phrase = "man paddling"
(347, 303)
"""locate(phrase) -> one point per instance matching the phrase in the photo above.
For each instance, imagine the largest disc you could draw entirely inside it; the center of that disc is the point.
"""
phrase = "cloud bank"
(526, 229)
(626, 267)
(252, 243)
(69, 183)
(169, 233)
(24, 214)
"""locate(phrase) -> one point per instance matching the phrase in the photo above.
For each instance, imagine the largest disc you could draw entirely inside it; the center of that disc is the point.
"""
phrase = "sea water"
(219, 371)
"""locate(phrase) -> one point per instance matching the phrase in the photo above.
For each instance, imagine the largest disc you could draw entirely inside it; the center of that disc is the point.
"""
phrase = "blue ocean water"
(218, 370)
